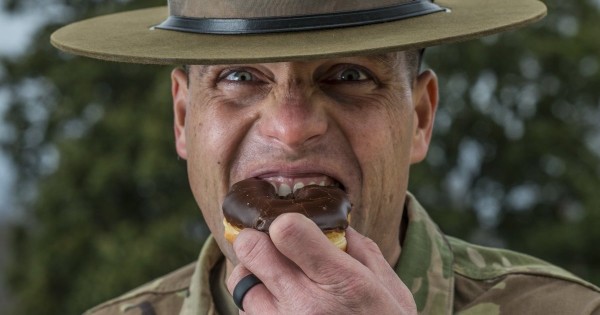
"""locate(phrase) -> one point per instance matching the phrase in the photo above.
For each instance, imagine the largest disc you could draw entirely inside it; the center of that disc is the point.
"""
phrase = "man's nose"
(293, 117)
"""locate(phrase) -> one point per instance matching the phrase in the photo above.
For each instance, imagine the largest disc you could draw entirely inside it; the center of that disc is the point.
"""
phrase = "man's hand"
(303, 273)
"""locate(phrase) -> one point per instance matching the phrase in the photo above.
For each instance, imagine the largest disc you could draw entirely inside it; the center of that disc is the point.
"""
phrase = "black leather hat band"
(299, 23)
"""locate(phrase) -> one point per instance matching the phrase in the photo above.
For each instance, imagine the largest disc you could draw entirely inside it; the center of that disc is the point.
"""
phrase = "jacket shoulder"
(164, 295)
(484, 263)
(494, 281)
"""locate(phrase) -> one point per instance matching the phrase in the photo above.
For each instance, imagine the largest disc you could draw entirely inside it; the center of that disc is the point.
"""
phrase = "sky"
(16, 31)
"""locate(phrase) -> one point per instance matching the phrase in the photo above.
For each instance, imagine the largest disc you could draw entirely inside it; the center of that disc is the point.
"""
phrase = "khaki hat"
(250, 31)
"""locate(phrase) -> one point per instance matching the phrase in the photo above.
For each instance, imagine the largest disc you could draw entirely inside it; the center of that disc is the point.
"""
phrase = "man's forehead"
(390, 59)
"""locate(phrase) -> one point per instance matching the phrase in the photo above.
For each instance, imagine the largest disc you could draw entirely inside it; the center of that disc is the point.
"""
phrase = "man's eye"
(239, 76)
(353, 74)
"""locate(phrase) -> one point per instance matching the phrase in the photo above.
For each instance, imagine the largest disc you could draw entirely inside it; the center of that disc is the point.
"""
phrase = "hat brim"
(129, 37)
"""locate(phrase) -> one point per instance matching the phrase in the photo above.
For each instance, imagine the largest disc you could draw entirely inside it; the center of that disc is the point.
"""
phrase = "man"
(311, 91)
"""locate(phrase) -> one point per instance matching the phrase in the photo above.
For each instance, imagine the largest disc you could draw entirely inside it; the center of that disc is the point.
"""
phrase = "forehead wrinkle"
(390, 59)
(390, 62)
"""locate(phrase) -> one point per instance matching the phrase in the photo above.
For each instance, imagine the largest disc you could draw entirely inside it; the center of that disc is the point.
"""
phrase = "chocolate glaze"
(254, 203)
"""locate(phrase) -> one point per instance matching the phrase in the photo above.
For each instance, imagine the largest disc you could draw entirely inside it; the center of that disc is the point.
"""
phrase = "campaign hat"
(252, 31)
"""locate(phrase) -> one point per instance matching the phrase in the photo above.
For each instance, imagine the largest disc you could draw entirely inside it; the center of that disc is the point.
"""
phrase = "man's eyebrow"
(388, 60)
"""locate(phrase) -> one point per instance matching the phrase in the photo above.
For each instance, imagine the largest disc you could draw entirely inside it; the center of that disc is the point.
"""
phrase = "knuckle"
(360, 295)
(286, 224)
(353, 294)
(285, 227)
(371, 246)
(340, 284)
(250, 249)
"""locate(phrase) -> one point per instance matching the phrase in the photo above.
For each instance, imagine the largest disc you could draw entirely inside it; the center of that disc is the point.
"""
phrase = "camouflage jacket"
(446, 276)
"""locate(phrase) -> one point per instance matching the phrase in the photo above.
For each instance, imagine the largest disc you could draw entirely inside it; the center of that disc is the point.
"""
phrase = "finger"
(301, 241)
(256, 252)
(257, 300)
(237, 274)
(368, 253)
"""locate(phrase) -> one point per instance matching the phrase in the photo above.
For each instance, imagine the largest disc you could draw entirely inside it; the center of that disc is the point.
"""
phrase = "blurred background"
(94, 201)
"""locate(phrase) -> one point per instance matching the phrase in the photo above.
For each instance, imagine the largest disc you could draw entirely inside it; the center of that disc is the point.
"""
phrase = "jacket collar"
(425, 263)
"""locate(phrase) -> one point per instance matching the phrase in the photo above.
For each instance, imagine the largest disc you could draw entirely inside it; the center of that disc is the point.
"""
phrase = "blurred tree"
(515, 159)
(106, 194)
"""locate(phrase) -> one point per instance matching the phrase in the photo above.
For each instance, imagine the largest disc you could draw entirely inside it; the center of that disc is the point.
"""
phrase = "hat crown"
(245, 9)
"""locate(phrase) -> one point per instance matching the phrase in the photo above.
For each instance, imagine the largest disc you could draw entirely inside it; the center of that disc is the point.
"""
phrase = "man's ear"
(180, 93)
(425, 100)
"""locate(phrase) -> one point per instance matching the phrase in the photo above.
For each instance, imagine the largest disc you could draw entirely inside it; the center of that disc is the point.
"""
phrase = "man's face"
(358, 122)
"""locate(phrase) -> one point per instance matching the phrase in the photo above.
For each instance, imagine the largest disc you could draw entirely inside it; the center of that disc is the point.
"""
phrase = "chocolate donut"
(254, 203)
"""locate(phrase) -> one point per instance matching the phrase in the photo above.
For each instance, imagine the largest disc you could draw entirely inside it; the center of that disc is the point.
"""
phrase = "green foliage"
(514, 160)
(108, 198)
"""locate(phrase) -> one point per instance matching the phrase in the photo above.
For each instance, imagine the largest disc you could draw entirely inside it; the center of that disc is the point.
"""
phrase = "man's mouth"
(287, 185)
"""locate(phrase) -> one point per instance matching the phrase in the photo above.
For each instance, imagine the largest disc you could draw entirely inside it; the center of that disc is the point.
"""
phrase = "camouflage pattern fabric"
(450, 276)
(445, 275)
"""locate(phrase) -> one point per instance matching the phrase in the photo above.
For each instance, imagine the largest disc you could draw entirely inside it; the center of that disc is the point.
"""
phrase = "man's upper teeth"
(284, 190)
(285, 186)
(298, 186)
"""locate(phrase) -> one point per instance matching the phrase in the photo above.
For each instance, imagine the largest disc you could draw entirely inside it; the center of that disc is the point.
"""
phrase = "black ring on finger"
(242, 288)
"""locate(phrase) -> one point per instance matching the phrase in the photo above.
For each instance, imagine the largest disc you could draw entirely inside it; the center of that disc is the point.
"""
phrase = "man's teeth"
(298, 186)
(283, 189)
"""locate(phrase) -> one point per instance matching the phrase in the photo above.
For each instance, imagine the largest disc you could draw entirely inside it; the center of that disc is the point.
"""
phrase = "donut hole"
(260, 223)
